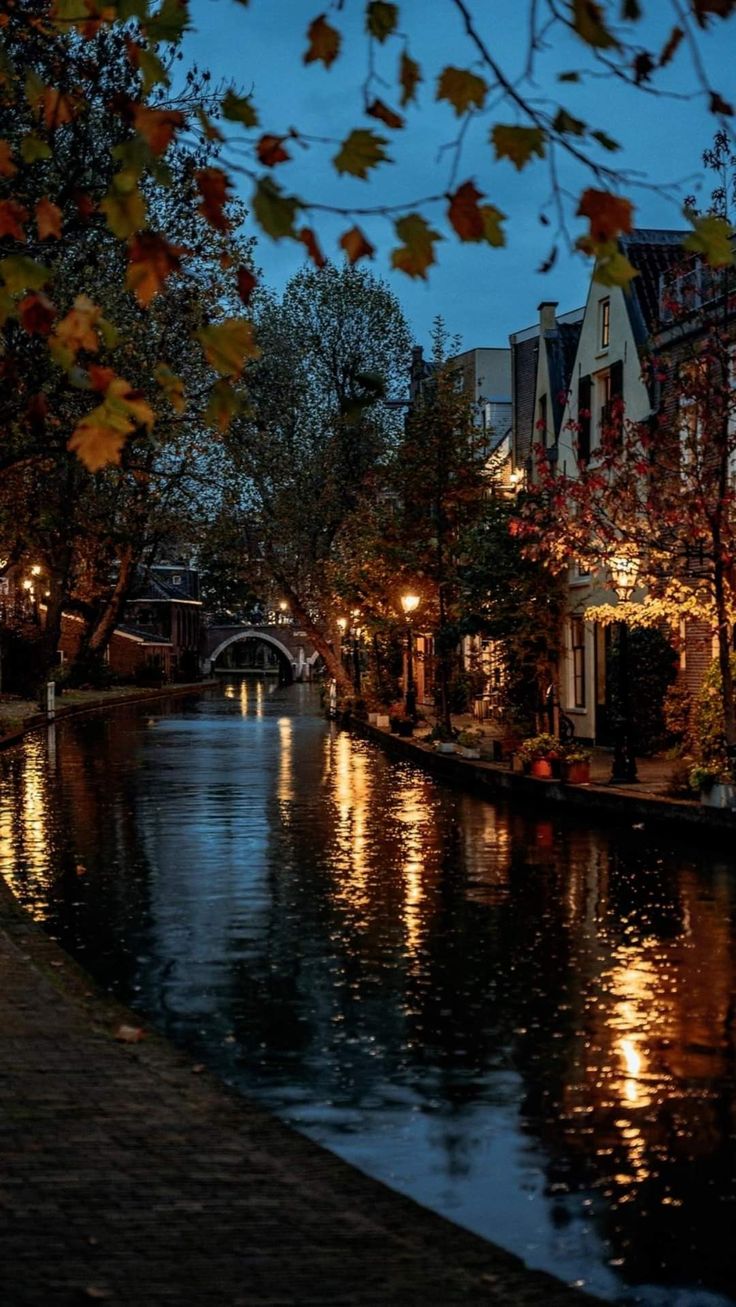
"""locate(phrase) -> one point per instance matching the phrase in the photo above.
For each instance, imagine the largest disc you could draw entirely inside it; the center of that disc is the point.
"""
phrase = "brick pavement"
(125, 1177)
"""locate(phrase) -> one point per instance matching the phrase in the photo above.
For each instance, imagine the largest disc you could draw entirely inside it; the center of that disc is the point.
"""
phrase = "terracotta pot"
(541, 768)
(576, 773)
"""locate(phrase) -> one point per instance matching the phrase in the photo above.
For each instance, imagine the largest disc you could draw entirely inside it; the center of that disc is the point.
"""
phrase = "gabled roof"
(652, 252)
(561, 345)
(156, 583)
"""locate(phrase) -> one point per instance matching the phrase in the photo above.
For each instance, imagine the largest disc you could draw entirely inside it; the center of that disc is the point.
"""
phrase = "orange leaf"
(58, 108)
(324, 42)
(100, 378)
(12, 216)
(157, 126)
(463, 89)
(7, 167)
(609, 215)
(464, 213)
(308, 238)
(271, 150)
(246, 284)
(77, 330)
(213, 185)
(150, 261)
(356, 246)
(380, 110)
(48, 219)
(37, 313)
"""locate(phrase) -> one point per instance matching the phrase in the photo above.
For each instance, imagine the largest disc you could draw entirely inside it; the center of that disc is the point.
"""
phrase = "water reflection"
(526, 1025)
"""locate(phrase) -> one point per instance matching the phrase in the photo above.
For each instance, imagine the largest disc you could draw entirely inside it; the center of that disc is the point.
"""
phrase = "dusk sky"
(482, 293)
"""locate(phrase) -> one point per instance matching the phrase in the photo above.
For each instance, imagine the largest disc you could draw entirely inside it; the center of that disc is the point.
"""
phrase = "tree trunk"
(724, 655)
(325, 649)
(100, 637)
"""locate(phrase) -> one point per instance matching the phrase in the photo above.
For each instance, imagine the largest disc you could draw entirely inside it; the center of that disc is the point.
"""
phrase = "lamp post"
(410, 603)
(355, 633)
(624, 571)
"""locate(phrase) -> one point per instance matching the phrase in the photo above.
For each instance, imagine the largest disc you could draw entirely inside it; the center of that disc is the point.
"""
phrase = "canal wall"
(616, 805)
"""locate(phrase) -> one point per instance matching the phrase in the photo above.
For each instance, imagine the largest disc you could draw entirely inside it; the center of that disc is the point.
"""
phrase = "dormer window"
(604, 322)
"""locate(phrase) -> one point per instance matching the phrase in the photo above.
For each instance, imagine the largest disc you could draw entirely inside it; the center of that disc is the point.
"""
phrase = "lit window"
(605, 321)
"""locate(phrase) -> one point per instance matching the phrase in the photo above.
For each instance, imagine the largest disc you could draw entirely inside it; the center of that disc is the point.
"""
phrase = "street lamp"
(410, 603)
(355, 632)
(624, 571)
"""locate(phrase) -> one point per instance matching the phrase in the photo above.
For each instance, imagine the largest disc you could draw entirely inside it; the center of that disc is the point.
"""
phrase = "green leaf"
(567, 125)
(711, 237)
(152, 70)
(274, 211)
(381, 19)
(222, 404)
(492, 231)
(518, 143)
(612, 268)
(462, 89)
(21, 273)
(417, 252)
(124, 208)
(359, 152)
(606, 141)
(228, 344)
(170, 22)
(172, 386)
(32, 148)
(239, 109)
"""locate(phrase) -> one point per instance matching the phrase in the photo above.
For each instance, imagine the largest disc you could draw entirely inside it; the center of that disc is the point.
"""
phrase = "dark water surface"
(525, 1024)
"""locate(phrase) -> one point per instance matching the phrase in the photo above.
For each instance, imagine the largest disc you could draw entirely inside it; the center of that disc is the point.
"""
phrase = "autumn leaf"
(170, 21)
(719, 106)
(270, 150)
(21, 273)
(33, 148)
(416, 254)
(609, 215)
(228, 345)
(7, 167)
(377, 109)
(671, 46)
(58, 108)
(239, 109)
(381, 19)
(274, 211)
(213, 185)
(612, 268)
(464, 213)
(409, 78)
(518, 144)
(99, 438)
(12, 217)
(324, 42)
(567, 125)
(356, 245)
(222, 404)
(157, 126)
(308, 238)
(246, 283)
(587, 21)
(492, 219)
(606, 141)
(48, 219)
(172, 386)
(151, 259)
(37, 313)
(124, 207)
(78, 329)
(711, 237)
(462, 88)
(359, 152)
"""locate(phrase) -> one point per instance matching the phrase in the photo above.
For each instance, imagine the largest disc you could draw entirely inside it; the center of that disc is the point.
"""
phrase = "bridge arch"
(262, 637)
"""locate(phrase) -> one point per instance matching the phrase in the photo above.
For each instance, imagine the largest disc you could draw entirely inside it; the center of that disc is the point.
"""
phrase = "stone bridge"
(297, 655)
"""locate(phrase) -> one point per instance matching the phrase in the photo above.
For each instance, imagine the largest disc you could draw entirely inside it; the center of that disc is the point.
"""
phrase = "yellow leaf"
(274, 211)
(612, 268)
(99, 438)
(124, 209)
(517, 143)
(492, 219)
(462, 88)
(359, 152)
(712, 238)
(228, 344)
(417, 252)
(21, 273)
(324, 42)
(222, 405)
(239, 109)
(172, 386)
(78, 329)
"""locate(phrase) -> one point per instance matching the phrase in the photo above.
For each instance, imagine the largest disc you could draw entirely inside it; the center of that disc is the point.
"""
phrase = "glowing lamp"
(624, 572)
(410, 603)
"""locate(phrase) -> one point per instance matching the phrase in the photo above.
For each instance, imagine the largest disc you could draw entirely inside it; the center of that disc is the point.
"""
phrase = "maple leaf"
(609, 215)
(33, 148)
(7, 167)
(151, 259)
(492, 219)
(409, 78)
(356, 245)
(464, 213)
(21, 273)
(359, 152)
(157, 126)
(462, 88)
(78, 328)
(58, 108)
(36, 313)
(324, 42)
(518, 144)
(308, 238)
(239, 109)
(246, 283)
(381, 19)
(228, 345)
(169, 23)
(271, 150)
(377, 109)
(587, 21)
(711, 237)
(48, 219)
(99, 438)
(612, 268)
(416, 254)
(172, 386)
(213, 185)
(124, 207)
(274, 211)
(222, 404)
(12, 217)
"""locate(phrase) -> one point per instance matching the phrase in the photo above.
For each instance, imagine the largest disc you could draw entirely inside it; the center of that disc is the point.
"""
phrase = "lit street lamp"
(410, 603)
(624, 571)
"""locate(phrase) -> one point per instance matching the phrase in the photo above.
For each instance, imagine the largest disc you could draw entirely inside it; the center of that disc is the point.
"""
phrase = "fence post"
(50, 700)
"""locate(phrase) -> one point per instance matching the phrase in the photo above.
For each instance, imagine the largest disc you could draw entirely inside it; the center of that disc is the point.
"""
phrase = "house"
(164, 605)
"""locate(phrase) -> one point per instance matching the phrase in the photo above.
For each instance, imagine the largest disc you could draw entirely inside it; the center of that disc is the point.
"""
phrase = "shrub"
(540, 746)
(709, 744)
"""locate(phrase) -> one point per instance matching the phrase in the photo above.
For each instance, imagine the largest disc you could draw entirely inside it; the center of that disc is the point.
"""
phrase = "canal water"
(525, 1023)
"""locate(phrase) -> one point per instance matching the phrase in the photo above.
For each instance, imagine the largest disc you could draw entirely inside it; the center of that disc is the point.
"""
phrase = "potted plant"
(576, 766)
(444, 741)
(716, 789)
(468, 743)
(538, 754)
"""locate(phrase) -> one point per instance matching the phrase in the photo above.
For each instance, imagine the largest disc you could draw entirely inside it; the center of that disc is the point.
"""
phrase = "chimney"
(547, 319)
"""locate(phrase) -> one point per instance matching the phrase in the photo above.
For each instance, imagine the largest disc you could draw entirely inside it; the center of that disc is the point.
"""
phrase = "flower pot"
(382, 721)
(719, 796)
(541, 768)
(444, 746)
(466, 752)
(576, 773)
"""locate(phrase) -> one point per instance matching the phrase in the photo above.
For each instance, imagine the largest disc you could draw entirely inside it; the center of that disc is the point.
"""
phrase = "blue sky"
(482, 293)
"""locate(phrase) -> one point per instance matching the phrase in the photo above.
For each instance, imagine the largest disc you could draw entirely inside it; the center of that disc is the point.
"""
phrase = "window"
(176, 580)
(604, 320)
(577, 649)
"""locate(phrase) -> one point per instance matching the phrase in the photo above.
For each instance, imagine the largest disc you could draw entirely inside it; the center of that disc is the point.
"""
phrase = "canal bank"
(130, 1174)
(18, 716)
(614, 803)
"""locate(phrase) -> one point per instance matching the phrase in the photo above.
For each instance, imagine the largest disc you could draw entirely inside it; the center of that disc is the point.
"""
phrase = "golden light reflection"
(229, 691)
(411, 813)
(285, 789)
(260, 698)
(244, 700)
(348, 772)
